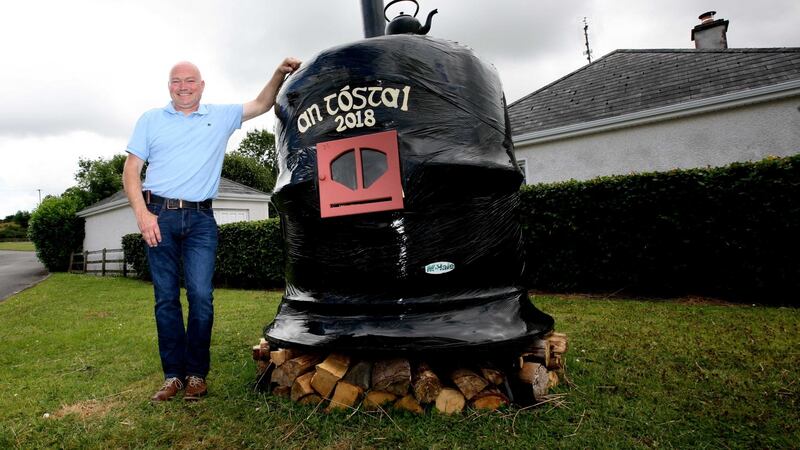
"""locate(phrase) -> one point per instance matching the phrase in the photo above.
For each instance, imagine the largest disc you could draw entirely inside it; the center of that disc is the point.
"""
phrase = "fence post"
(85, 260)
(103, 265)
(124, 264)
(71, 258)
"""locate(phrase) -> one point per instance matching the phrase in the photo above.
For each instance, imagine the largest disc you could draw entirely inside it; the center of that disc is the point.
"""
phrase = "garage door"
(224, 216)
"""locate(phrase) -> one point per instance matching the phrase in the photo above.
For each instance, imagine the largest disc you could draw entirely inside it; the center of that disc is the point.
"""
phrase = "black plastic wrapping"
(358, 282)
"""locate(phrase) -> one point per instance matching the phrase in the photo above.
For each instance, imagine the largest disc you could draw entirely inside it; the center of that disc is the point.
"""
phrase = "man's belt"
(175, 203)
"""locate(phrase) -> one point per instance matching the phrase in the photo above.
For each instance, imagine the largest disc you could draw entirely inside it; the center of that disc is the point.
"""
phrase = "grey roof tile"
(627, 81)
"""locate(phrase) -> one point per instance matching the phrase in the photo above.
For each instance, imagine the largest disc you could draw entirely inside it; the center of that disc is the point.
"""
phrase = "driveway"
(19, 270)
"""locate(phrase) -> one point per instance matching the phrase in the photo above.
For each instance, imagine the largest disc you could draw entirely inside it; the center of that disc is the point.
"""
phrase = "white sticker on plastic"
(440, 267)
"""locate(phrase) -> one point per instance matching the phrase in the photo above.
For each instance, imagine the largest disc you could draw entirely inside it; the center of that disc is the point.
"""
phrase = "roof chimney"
(710, 33)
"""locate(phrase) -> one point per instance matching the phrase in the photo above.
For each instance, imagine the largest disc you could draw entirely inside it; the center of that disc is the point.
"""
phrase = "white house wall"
(105, 230)
(746, 133)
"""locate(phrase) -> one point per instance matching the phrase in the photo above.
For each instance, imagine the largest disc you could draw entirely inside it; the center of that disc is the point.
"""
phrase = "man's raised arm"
(266, 98)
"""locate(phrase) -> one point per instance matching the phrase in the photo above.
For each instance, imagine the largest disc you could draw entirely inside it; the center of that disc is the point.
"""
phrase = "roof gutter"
(102, 208)
(730, 100)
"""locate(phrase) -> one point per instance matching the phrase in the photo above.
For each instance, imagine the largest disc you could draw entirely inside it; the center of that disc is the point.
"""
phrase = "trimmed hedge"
(249, 255)
(730, 232)
(135, 255)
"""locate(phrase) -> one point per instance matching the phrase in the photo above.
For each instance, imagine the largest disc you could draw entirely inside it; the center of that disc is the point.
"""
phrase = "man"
(184, 144)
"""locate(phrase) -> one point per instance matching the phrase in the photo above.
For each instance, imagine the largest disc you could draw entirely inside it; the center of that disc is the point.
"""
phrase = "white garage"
(111, 218)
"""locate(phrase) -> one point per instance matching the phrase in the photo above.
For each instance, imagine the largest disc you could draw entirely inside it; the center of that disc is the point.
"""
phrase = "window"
(345, 172)
(359, 175)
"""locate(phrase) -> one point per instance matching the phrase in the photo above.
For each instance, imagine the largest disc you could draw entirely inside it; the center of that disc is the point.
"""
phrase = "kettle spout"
(427, 27)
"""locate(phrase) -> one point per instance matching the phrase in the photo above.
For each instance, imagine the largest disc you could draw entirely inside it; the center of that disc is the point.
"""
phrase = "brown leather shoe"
(168, 390)
(195, 388)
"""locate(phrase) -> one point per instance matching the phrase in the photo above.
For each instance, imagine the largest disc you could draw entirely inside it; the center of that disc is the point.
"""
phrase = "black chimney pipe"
(372, 12)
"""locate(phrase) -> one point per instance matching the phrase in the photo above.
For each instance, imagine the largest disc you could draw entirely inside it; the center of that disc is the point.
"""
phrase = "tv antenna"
(588, 51)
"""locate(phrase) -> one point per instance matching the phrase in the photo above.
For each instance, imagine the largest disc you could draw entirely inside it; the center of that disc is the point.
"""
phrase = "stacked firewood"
(339, 381)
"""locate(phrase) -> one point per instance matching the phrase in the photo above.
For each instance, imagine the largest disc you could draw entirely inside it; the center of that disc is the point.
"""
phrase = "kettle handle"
(396, 1)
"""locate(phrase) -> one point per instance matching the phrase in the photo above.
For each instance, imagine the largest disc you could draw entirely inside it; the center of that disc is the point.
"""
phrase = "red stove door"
(359, 175)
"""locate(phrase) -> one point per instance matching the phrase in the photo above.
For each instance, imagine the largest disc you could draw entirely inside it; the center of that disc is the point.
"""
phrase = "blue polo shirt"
(184, 153)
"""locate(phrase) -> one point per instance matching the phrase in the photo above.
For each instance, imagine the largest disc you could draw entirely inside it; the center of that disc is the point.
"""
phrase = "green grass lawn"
(24, 246)
(82, 350)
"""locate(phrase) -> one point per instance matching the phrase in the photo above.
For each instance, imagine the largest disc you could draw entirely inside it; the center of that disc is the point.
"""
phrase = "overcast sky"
(77, 74)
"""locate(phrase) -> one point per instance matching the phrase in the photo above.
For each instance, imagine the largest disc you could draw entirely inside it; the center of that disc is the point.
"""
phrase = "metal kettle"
(404, 23)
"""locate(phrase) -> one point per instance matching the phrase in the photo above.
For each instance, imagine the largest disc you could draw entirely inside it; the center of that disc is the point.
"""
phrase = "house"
(111, 218)
(656, 110)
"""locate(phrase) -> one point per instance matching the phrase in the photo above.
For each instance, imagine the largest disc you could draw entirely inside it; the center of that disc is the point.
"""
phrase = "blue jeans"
(189, 235)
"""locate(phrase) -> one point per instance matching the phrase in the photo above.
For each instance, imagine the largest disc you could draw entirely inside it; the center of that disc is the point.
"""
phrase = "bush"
(249, 255)
(729, 231)
(56, 231)
(12, 231)
(136, 255)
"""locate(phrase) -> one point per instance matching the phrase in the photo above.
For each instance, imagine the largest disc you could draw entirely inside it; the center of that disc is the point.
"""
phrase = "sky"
(76, 75)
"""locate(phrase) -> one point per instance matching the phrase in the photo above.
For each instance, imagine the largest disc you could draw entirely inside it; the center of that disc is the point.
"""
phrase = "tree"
(56, 231)
(260, 145)
(248, 171)
(100, 177)
(21, 218)
(82, 197)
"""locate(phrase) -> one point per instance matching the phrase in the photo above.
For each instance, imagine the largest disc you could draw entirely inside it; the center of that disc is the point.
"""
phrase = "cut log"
(302, 386)
(552, 380)
(536, 376)
(409, 403)
(539, 351)
(490, 398)
(375, 400)
(286, 373)
(336, 364)
(558, 342)
(426, 384)
(392, 375)
(278, 357)
(468, 382)
(345, 396)
(450, 401)
(324, 383)
(493, 376)
(480, 384)
(310, 399)
(264, 375)
(360, 375)
(328, 373)
(282, 391)
(556, 362)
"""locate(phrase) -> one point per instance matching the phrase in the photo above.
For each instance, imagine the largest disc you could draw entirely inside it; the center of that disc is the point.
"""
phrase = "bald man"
(184, 144)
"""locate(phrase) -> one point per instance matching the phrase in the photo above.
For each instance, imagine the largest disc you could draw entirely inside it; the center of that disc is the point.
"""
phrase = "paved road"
(19, 270)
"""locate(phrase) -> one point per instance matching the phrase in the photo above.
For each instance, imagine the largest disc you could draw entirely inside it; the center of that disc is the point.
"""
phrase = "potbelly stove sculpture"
(398, 197)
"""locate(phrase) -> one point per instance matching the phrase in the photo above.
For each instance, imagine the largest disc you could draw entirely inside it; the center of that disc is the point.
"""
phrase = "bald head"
(185, 87)
(185, 67)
